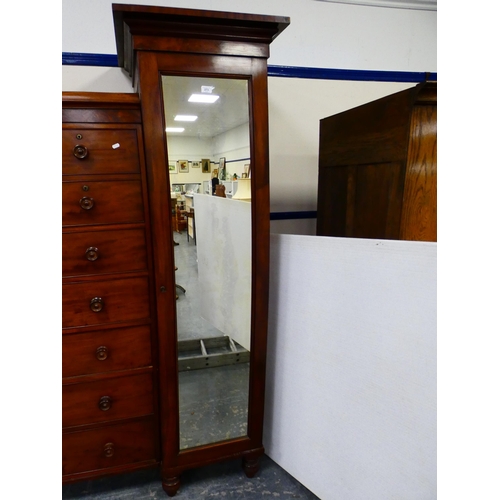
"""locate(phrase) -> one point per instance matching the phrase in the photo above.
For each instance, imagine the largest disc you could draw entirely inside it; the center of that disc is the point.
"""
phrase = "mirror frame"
(156, 41)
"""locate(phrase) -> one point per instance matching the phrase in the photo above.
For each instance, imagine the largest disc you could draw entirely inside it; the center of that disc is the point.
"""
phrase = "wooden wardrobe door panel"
(362, 201)
(332, 198)
(376, 201)
(371, 133)
(157, 44)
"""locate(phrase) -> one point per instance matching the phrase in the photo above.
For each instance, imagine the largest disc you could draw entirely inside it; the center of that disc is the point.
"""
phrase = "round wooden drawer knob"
(96, 304)
(80, 151)
(87, 203)
(109, 450)
(92, 253)
(101, 353)
(105, 403)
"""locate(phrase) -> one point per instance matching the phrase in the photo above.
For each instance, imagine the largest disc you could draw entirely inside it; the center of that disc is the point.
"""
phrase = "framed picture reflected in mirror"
(205, 166)
(183, 165)
(222, 169)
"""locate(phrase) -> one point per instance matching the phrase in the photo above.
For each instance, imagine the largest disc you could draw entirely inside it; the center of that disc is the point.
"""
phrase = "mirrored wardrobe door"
(208, 148)
(222, 287)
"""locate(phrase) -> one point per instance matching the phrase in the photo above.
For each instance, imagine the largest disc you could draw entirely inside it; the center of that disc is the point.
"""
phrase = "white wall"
(95, 79)
(321, 34)
(351, 386)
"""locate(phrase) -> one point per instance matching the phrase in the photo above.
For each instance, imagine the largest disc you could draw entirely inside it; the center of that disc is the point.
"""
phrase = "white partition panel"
(351, 387)
(223, 241)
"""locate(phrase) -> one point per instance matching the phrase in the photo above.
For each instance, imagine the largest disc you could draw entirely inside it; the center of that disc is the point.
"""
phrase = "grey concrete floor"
(215, 482)
(213, 404)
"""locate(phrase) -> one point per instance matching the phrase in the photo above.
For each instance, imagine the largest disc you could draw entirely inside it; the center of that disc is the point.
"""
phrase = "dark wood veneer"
(165, 23)
(115, 102)
(113, 202)
(155, 41)
(114, 251)
(84, 450)
(123, 300)
(128, 396)
(106, 351)
(108, 151)
(128, 220)
(378, 168)
(110, 357)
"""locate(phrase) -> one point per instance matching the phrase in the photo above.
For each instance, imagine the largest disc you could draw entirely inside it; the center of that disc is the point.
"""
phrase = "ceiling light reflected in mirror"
(230, 111)
(206, 98)
(185, 118)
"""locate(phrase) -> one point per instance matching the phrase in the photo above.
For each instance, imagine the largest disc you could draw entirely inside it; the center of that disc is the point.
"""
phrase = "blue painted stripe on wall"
(350, 74)
(78, 59)
(294, 215)
(111, 60)
(240, 159)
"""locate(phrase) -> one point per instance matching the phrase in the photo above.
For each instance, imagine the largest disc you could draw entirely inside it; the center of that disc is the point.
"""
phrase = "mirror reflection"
(208, 141)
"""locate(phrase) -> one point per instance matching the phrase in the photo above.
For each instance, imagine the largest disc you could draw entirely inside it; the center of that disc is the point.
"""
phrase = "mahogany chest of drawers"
(110, 394)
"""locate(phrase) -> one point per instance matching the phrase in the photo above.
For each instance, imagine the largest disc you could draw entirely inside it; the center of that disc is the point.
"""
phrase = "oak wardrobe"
(378, 168)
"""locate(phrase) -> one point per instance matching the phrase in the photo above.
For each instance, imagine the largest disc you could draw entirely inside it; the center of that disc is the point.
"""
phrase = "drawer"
(106, 351)
(107, 399)
(101, 202)
(98, 252)
(110, 446)
(100, 151)
(99, 302)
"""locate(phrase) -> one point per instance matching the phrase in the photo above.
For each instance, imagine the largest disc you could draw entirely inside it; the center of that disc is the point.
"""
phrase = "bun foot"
(251, 466)
(171, 485)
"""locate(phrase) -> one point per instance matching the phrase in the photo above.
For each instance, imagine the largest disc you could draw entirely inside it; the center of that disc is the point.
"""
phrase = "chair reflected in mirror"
(179, 213)
(220, 190)
(179, 223)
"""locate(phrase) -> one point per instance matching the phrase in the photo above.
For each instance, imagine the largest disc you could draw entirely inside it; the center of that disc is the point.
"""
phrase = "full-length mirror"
(208, 148)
